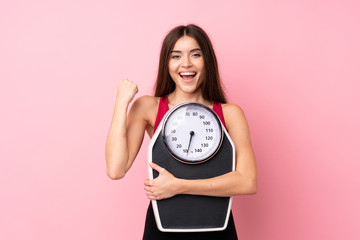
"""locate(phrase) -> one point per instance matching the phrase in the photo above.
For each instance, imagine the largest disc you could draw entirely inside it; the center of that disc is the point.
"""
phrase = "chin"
(190, 89)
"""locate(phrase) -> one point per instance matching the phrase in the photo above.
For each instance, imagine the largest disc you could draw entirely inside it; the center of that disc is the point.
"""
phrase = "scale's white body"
(191, 213)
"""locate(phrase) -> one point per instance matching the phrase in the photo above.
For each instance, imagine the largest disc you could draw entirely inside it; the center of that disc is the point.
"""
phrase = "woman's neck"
(177, 97)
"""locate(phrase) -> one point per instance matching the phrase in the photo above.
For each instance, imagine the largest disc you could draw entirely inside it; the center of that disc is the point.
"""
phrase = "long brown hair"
(211, 87)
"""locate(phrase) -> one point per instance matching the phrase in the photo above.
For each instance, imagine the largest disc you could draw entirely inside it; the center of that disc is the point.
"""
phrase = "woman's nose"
(186, 62)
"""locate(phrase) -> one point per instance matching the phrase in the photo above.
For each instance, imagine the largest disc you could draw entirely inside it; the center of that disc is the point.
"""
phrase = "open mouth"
(187, 75)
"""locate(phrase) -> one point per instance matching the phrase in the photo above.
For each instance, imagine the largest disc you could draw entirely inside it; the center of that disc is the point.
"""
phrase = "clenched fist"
(126, 91)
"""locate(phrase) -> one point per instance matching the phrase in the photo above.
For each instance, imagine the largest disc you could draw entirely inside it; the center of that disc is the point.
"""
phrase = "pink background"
(293, 66)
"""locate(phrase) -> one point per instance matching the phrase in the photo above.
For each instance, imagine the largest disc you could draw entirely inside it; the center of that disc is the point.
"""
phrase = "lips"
(187, 75)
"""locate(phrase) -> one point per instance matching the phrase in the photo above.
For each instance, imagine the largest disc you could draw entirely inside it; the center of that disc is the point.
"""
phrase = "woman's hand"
(164, 186)
(126, 90)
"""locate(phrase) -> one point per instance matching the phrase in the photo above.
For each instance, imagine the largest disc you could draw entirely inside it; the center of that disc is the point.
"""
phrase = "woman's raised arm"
(126, 131)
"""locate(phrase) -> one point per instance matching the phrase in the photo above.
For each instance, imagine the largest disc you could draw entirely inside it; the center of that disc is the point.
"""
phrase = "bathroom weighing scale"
(192, 143)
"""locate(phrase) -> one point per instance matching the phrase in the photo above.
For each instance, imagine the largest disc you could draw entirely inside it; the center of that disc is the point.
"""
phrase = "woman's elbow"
(115, 175)
(249, 188)
(252, 187)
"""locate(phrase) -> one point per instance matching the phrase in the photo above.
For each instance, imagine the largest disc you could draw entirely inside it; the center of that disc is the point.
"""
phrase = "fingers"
(151, 193)
(156, 167)
(146, 181)
(149, 185)
(129, 86)
(151, 188)
(127, 89)
(161, 186)
(152, 196)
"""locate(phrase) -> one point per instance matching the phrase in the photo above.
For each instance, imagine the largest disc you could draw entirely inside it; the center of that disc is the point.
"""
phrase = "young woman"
(188, 71)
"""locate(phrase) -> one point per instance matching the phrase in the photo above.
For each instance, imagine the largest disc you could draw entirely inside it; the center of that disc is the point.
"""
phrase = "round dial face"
(192, 133)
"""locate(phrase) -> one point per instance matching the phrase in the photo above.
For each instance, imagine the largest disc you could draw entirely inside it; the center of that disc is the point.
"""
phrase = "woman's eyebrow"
(192, 50)
(195, 49)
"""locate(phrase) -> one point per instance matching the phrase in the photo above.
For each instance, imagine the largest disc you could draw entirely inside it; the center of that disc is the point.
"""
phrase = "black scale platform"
(193, 212)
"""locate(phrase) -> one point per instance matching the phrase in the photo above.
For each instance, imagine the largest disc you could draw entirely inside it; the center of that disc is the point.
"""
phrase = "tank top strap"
(218, 110)
(162, 110)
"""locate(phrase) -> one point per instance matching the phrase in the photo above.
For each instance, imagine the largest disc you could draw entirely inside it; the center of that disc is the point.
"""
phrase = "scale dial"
(192, 133)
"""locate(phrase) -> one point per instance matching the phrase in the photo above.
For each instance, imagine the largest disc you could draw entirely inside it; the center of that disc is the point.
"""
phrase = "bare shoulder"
(146, 106)
(146, 101)
(234, 115)
(232, 110)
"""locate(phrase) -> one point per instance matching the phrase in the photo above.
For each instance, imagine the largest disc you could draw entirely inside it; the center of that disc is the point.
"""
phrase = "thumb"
(156, 167)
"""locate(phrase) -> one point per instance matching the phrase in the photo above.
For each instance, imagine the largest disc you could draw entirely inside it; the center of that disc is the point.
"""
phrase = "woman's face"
(186, 64)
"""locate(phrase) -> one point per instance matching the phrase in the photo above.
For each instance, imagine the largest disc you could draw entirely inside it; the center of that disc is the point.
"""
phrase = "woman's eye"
(196, 55)
(175, 56)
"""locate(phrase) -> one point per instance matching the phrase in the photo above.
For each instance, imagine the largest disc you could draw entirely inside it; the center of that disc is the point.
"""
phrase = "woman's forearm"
(230, 184)
(116, 145)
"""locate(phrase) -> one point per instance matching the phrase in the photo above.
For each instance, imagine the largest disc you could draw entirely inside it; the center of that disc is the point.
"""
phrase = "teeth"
(187, 74)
